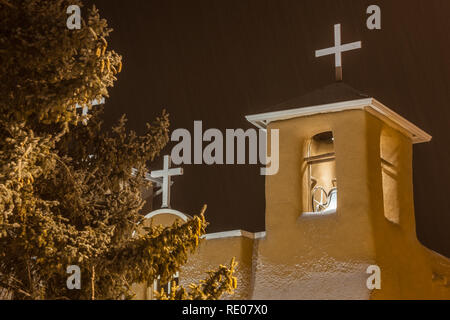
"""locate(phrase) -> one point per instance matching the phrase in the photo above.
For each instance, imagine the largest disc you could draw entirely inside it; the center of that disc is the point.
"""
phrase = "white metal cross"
(337, 50)
(166, 174)
(85, 109)
(94, 103)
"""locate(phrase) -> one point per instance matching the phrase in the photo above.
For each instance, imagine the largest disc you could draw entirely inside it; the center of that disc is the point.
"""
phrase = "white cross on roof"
(166, 175)
(337, 50)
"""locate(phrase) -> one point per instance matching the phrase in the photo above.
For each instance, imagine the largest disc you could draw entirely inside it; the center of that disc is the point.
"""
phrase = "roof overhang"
(371, 105)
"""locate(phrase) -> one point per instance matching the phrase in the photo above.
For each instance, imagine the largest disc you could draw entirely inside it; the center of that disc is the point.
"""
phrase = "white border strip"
(418, 135)
(307, 111)
(371, 105)
(235, 233)
(209, 236)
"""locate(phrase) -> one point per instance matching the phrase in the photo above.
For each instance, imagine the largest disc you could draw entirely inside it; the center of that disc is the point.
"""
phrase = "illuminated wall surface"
(326, 254)
(218, 61)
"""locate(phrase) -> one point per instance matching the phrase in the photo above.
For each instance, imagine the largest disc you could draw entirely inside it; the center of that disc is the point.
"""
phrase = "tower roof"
(334, 98)
(336, 92)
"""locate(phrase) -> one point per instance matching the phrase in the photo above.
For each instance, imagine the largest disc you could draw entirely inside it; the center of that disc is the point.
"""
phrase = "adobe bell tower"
(342, 201)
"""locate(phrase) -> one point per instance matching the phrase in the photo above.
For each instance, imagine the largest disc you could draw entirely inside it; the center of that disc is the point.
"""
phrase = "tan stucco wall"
(320, 257)
(407, 266)
(326, 257)
(215, 252)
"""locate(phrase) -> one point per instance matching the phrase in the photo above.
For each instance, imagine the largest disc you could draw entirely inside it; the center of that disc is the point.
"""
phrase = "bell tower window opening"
(321, 170)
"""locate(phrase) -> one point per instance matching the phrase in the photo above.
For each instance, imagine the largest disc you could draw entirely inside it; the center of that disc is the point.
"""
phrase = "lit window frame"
(316, 159)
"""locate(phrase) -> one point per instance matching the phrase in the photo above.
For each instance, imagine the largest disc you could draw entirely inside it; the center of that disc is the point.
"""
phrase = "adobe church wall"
(325, 257)
(214, 252)
(406, 265)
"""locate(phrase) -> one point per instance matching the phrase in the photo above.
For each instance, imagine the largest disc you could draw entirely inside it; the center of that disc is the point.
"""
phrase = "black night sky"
(219, 60)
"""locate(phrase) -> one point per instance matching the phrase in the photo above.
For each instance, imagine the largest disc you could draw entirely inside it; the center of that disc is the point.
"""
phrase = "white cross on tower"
(166, 174)
(337, 50)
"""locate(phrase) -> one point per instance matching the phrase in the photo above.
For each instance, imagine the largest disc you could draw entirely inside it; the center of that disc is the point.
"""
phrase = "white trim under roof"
(235, 233)
(370, 104)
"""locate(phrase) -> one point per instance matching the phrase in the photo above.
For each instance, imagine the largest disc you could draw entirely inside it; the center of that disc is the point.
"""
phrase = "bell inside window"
(322, 173)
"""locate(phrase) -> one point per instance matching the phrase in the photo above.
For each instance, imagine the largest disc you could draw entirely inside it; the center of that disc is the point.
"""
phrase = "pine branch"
(67, 192)
(218, 283)
(161, 252)
(6, 3)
